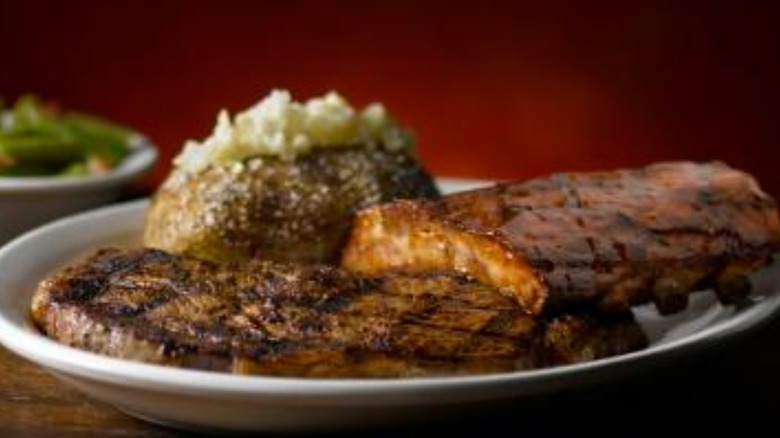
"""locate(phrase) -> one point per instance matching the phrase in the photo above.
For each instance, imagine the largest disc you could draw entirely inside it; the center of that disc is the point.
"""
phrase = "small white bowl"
(26, 202)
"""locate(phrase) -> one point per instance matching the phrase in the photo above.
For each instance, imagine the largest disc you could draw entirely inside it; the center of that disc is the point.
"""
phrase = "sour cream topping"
(280, 127)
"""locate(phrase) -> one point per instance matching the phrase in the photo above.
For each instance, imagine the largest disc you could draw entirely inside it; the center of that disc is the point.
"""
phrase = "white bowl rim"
(143, 154)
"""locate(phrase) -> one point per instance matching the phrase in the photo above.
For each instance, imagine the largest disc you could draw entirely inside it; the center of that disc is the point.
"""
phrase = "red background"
(493, 90)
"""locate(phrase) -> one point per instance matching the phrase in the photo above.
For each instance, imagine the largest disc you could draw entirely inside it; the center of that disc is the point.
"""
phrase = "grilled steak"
(615, 238)
(298, 211)
(280, 319)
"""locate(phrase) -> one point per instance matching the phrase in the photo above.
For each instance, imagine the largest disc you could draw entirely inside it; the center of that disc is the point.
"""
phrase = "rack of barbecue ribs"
(272, 318)
(612, 238)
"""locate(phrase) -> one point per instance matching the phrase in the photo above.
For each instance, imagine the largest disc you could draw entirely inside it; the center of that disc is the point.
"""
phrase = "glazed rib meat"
(280, 319)
(613, 238)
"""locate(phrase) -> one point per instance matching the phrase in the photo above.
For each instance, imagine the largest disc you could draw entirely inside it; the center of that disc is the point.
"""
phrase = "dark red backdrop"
(492, 89)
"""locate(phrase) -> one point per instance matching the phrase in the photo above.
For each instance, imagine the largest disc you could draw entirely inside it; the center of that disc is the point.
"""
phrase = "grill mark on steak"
(616, 238)
(279, 319)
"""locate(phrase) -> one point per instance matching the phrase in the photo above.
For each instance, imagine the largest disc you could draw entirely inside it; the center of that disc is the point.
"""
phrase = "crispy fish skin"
(614, 238)
(298, 210)
(271, 318)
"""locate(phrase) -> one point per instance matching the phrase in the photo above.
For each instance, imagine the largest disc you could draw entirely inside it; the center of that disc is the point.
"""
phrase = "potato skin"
(297, 210)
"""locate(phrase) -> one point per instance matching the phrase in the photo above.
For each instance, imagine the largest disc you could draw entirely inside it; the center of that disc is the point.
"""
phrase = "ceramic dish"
(220, 402)
(27, 202)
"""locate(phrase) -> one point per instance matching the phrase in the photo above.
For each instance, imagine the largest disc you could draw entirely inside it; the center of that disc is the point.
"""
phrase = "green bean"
(98, 127)
(40, 149)
(100, 136)
(75, 169)
(48, 129)
(30, 118)
(28, 112)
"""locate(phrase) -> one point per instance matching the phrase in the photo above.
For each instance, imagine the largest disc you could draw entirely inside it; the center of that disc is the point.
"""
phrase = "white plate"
(215, 401)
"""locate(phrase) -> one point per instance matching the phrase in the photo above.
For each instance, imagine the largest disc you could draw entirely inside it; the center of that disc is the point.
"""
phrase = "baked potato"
(291, 210)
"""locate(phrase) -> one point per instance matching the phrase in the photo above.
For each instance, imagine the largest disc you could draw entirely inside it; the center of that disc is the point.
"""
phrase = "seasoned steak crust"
(615, 238)
(289, 320)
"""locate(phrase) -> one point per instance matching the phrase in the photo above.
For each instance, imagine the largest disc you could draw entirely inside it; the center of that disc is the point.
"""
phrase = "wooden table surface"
(737, 384)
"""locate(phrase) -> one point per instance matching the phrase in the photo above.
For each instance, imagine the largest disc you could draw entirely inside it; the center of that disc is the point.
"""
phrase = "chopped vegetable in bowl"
(38, 140)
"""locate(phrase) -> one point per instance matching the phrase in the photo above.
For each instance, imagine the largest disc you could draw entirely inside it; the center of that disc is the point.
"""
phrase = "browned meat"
(279, 319)
(616, 238)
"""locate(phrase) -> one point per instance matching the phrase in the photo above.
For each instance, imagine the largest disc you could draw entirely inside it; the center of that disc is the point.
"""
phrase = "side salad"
(38, 139)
